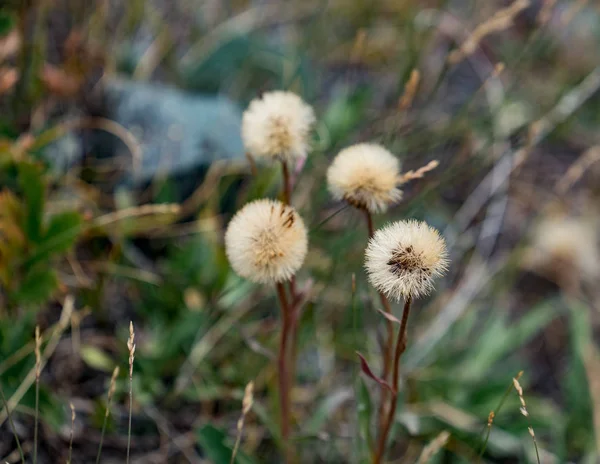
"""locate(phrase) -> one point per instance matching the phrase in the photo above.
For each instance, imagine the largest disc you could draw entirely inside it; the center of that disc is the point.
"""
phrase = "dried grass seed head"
(266, 241)
(277, 127)
(403, 258)
(366, 176)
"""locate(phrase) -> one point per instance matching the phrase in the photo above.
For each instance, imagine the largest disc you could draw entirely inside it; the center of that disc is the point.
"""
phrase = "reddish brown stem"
(389, 340)
(369, 223)
(400, 347)
(287, 183)
(283, 371)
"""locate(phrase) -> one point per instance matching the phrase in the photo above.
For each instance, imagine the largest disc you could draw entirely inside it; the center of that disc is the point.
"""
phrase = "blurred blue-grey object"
(177, 132)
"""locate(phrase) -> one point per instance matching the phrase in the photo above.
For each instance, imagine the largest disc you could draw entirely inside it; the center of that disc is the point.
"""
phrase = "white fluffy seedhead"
(403, 258)
(277, 127)
(366, 176)
(266, 242)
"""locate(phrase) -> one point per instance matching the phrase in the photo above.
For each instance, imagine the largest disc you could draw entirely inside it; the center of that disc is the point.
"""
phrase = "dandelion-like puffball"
(366, 176)
(266, 241)
(277, 127)
(403, 258)
(565, 246)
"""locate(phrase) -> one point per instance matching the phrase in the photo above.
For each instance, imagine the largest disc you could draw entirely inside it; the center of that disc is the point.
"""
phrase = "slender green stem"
(12, 425)
(130, 414)
(101, 438)
(37, 412)
(496, 411)
(131, 347)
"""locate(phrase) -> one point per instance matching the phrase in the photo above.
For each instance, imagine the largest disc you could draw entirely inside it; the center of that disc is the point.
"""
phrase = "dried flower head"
(366, 176)
(565, 248)
(266, 241)
(277, 127)
(403, 258)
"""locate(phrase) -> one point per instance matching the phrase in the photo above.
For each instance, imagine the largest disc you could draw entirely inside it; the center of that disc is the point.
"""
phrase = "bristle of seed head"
(403, 259)
(365, 176)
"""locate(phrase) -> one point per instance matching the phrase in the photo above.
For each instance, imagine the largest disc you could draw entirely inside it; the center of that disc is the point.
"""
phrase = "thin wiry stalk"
(495, 412)
(400, 347)
(246, 406)
(38, 371)
(12, 425)
(111, 391)
(328, 218)
(72, 433)
(131, 347)
(525, 413)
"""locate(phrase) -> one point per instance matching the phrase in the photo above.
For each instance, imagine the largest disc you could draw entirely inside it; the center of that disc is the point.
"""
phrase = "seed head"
(366, 176)
(266, 241)
(403, 258)
(277, 127)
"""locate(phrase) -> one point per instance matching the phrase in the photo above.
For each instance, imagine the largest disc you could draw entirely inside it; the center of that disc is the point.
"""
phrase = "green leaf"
(96, 358)
(365, 411)
(37, 286)
(325, 410)
(32, 185)
(212, 440)
(498, 340)
(62, 231)
(7, 21)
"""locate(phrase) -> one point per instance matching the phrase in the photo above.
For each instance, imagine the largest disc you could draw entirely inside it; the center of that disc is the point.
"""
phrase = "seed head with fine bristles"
(277, 127)
(266, 242)
(366, 176)
(403, 258)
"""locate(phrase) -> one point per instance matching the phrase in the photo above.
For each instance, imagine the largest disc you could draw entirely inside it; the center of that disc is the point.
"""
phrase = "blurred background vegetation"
(121, 162)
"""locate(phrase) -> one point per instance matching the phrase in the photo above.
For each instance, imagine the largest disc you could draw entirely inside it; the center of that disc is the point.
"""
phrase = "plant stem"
(389, 341)
(400, 347)
(283, 371)
(35, 427)
(287, 183)
(12, 425)
(131, 347)
(69, 460)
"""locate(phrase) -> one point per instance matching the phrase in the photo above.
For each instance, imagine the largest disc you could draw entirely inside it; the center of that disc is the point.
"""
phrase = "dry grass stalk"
(72, 432)
(131, 348)
(434, 447)
(246, 406)
(12, 425)
(63, 323)
(500, 21)
(38, 372)
(111, 392)
(9, 76)
(546, 12)
(525, 413)
(9, 45)
(419, 173)
(410, 90)
(578, 169)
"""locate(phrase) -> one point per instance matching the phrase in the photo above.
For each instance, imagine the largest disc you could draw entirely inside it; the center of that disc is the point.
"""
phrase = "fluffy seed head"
(403, 258)
(565, 249)
(277, 127)
(266, 241)
(366, 176)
